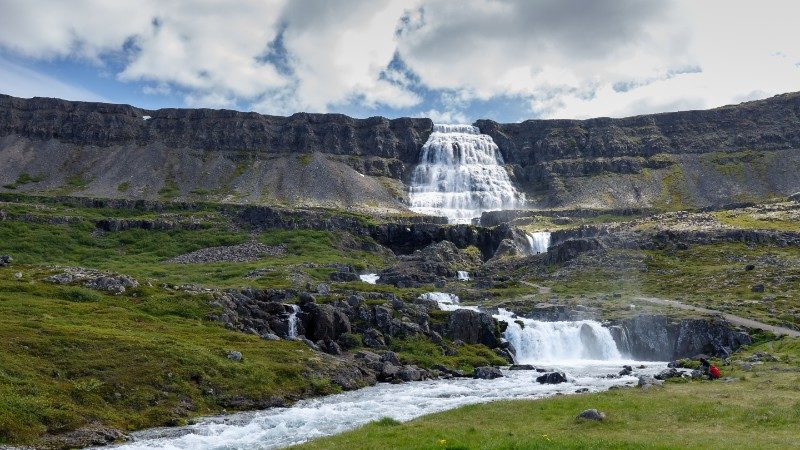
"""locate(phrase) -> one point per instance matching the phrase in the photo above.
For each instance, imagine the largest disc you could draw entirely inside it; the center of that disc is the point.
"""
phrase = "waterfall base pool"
(309, 419)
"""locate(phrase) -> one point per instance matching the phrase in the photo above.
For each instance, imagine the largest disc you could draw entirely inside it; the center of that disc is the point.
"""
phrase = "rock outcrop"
(660, 338)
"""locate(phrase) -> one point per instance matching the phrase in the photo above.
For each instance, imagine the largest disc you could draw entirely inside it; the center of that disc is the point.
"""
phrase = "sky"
(452, 61)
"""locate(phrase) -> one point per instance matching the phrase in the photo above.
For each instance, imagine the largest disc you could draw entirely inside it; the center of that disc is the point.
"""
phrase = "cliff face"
(104, 125)
(746, 152)
(769, 124)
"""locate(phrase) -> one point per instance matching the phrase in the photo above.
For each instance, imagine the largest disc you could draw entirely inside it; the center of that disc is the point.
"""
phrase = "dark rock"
(658, 338)
(373, 338)
(305, 298)
(552, 378)
(749, 267)
(343, 277)
(390, 357)
(325, 322)
(5, 260)
(668, 373)
(94, 434)
(592, 414)
(473, 327)
(488, 373)
(757, 288)
(410, 373)
(521, 367)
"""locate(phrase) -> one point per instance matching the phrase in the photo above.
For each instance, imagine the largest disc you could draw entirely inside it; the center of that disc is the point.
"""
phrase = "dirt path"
(736, 320)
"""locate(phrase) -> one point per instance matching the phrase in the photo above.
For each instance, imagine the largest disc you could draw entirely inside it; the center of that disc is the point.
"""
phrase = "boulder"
(552, 378)
(373, 338)
(410, 373)
(5, 260)
(473, 327)
(325, 322)
(592, 414)
(235, 356)
(488, 373)
(667, 374)
(646, 381)
(521, 367)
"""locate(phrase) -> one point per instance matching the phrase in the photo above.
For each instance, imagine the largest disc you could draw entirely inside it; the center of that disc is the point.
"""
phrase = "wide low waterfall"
(460, 175)
(538, 241)
(537, 341)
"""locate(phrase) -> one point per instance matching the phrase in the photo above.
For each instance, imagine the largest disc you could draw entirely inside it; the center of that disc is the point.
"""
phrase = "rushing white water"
(555, 342)
(293, 321)
(370, 278)
(446, 301)
(539, 241)
(460, 175)
(308, 419)
(584, 350)
(463, 275)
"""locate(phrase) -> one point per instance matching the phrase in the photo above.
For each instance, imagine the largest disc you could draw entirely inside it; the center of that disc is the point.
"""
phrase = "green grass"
(425, 354)
(69, 355)
(760, 409)
(141, 253)
(711, 276)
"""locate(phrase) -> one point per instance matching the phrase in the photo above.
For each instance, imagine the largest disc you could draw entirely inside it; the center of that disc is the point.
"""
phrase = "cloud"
(553, 58)
(438, 116)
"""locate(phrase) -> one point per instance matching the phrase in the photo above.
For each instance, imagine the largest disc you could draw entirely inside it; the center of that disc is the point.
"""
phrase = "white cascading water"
(460, 175)
(463, 275)
(293, 321)
(536, 341)
(584, 350)
(369, 278)
(538, 241)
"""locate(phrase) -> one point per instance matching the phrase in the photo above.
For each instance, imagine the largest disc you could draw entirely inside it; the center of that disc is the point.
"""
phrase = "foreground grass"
(758, 409)
(70, 356)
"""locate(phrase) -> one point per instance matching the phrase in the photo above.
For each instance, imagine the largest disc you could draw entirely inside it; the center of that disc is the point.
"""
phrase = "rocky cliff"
(745, 152)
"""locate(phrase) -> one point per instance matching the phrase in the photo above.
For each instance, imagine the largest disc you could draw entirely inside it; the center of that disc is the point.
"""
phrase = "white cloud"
(560, 58)
(438, 116)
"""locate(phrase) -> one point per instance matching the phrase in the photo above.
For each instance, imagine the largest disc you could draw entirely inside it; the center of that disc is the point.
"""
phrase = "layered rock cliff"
(678, 160)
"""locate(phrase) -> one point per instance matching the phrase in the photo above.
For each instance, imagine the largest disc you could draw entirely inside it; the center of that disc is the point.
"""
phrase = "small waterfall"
(463, 275)
(446, 301)
(460, 175)
(537, 341)
(293, 321)
(369, 278)
(539, 242)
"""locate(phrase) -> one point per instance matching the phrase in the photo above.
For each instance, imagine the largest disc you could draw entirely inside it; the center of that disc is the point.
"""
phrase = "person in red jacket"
(713, 372)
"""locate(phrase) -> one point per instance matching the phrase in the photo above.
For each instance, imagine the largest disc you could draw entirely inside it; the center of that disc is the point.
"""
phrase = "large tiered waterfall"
(460, 175)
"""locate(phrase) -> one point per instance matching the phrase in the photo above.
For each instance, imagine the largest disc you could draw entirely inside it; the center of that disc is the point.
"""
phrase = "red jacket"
(714, 372)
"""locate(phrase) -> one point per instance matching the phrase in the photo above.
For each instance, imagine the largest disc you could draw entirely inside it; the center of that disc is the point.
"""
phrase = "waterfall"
(293, 321)
(463, 275)
(539, 241)
(460, 175)
(446, 301)
(537, 341)
(370, 278)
